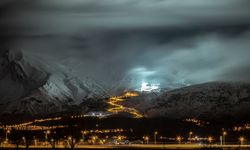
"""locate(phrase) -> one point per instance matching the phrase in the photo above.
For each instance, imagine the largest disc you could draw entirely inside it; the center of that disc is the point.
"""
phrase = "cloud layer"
(173, 42)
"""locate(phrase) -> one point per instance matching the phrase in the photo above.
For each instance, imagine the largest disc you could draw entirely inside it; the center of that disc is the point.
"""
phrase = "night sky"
(171, 42)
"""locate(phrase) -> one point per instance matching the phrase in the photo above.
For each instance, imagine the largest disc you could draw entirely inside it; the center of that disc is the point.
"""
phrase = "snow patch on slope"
(29, 85)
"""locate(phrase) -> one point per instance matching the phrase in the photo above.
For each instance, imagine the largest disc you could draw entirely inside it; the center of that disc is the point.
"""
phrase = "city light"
(6, 135)
(146, 139)
(105, 136)
(117, 107)
(102, 136)
(190, 136)
(210, 139)
(242, 139)
(70, 138)
(155, 136)
(178, 138)
(224, 133)
(131, 94)
(146, 87)
(197, 122)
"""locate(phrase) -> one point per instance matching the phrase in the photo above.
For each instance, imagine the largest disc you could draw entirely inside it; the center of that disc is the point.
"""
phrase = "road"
(164, 146)
(117, 107)
(146, 146)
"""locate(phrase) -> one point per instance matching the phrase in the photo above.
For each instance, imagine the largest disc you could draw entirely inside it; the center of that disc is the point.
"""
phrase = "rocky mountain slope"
(31, 87)
(205, 101)
(37, 87)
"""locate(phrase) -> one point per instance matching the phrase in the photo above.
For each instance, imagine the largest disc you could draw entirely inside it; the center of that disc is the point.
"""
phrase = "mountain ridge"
(36, 88)
(207, 101)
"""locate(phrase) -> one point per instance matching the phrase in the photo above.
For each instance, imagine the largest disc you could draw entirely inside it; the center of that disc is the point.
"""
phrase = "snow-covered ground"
(31, 86)
(206, 101)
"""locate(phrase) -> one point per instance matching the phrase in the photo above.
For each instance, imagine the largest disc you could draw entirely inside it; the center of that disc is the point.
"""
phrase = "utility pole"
(155, 134)
(224, 137)
(190, 136)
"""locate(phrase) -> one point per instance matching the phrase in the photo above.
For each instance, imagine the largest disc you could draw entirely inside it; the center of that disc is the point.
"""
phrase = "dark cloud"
(168, 41)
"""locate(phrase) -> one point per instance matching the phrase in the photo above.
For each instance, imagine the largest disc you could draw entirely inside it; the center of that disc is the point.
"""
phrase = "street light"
(178, 138)
(46, 136)
(210, 139)
(70, 138)
(6, 134)
(119, 138)
(35, 142)
(24, 140)
(155, 134)
(224, 137)
(83, 135)
(242, 139)
(190, 136)
(146, 138)
(94, 138)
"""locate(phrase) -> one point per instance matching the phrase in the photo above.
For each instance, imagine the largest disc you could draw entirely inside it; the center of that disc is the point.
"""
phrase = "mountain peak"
(11, 55)
(36, 86)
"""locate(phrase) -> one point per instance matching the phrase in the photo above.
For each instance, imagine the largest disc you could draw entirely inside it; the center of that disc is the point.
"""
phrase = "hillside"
(30, 86)
(210, 101)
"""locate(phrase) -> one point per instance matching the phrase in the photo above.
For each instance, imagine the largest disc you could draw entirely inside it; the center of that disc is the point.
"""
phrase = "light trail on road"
(113, 101)
(117, 107)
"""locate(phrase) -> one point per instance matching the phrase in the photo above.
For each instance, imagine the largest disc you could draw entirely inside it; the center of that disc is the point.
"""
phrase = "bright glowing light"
(146, 87)
(117, 107)
(131, 94)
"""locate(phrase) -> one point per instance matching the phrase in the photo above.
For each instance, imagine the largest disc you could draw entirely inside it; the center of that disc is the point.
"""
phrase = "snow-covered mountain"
(213, 100)
(33, 86)
(37, 87)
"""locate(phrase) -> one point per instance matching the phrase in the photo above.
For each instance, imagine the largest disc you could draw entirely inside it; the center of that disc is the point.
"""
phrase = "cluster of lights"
(29, 125)
(146, 87)
(197, 122)
(146, 139)
(117, 107)
(242, 128)
(103, 131)
(131, 94)
(91, 114)
(179, 139)
(114, 101)
(94, 139)
(76, 116)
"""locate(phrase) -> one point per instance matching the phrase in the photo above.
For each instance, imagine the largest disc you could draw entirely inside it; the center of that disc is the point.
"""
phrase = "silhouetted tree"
(15, 137)
(53, 138)
(27, 137)
(74, 134)
(72, 142)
